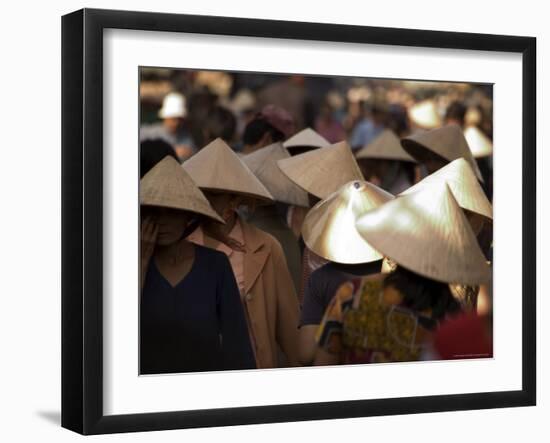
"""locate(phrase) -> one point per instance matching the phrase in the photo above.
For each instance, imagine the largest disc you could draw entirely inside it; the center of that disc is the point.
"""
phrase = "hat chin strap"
(190, 228)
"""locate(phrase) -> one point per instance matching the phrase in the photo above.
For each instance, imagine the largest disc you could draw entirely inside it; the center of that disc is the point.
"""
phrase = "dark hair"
(397, 120)
(220, 122)
(255, 130)
(421, 293)
(456, 111)
(152, 152)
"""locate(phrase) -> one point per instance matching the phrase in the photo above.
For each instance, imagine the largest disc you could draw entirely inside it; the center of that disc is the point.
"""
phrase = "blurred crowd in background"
(348, 210)
(338, 108)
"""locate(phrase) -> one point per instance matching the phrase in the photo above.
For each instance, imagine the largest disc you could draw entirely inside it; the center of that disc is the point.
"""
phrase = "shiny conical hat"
(447, 142)
(263, 163)
(167, 185)
(386, 146)
(329, 227)
(322, 171)
(473, 116)
(306, 137)
(424, 114)
(217, 167)
(463, 184)
(479, 143)
(427, 233)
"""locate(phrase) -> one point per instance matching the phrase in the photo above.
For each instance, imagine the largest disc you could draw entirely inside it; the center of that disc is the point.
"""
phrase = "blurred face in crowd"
(172, 124)
(354, 110)
(171, 223)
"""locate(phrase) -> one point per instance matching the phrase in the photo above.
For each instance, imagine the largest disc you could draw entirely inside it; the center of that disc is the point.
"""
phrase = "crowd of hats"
(426, 229)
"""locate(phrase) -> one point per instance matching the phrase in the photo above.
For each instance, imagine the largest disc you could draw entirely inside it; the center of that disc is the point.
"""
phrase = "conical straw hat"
(322, 171)
(167, 185)
(427, 233)
(263, 163)
(217, 167)
(473, 116)
(463, 184)
(424, 115)
(329, 227)
(479, 143)
(306, 137)
(386, 146)
(447, 142)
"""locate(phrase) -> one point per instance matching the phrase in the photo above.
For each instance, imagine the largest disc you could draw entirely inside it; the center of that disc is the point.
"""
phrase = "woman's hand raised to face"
(149, 232)
(148, 239)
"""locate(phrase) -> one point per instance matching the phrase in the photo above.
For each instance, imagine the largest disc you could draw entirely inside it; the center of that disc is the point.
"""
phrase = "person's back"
(383, 318)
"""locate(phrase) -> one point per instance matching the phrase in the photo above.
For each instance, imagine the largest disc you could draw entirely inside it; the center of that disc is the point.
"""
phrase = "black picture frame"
(82, 218)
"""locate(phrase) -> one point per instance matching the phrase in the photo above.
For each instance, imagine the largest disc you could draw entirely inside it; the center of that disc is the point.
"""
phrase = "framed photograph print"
(269, 221)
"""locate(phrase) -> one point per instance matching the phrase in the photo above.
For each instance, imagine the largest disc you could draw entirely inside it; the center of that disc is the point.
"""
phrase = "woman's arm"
(331, 329)
(313, 309)
(308, 345)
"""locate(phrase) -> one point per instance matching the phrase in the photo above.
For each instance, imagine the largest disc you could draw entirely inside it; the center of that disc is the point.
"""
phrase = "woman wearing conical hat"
(273, 218)
(329, 231)
(385, 163)
(437, 147)
(191, 318)
(305, 140)
(378, 319)
(480, 145)
(320, 173)
(266, 287)
(470, 196)
(482, 150)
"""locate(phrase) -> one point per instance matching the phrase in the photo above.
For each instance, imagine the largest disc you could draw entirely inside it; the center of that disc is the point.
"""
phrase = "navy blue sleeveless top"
(197, 325)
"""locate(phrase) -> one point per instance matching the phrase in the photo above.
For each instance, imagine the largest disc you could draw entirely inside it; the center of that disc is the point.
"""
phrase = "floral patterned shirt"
(359, 327)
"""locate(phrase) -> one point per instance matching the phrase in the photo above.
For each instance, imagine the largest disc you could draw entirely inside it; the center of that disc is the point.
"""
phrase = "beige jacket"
(269, 298)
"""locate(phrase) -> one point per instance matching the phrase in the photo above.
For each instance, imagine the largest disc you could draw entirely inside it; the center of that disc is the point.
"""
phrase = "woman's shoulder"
(255, 237)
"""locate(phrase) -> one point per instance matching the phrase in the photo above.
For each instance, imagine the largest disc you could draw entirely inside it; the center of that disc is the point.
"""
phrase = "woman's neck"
(174, 252)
